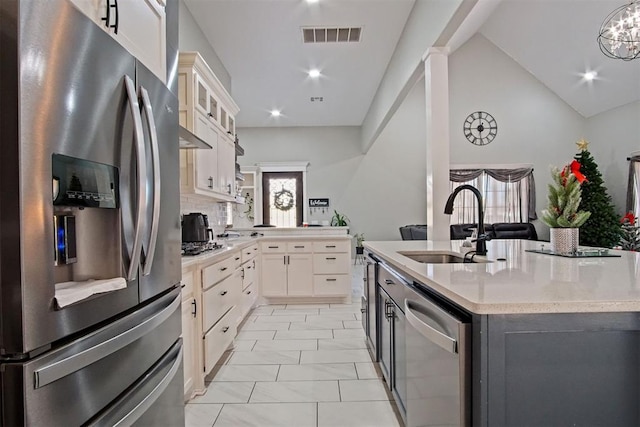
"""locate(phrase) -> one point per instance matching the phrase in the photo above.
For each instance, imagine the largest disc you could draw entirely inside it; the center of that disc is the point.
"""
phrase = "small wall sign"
(318, 203)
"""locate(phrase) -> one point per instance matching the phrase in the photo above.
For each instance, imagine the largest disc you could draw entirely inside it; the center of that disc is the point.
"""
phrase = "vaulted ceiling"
(260, 42)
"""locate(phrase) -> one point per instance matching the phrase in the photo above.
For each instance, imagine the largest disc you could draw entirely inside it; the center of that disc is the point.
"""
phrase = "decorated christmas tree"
(603, 226)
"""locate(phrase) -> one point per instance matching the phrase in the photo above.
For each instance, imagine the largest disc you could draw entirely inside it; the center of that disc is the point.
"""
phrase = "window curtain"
(633, 185)
(508, 176)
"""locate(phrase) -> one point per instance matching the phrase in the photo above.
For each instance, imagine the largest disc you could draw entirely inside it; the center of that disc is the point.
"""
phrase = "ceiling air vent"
(331, 35)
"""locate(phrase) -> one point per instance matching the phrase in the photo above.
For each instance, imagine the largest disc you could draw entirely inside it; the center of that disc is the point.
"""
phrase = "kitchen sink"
(434, 257)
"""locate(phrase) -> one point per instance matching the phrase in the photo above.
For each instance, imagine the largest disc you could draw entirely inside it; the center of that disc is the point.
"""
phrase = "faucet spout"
(481, 244)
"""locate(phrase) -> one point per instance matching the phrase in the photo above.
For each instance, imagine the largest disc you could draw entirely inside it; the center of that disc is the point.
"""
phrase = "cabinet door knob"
(209, 114)
(225, 329)
(223, 293)
(194, 305)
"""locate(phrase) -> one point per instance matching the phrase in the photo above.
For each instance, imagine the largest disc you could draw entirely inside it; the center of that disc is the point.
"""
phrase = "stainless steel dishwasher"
(438, 362)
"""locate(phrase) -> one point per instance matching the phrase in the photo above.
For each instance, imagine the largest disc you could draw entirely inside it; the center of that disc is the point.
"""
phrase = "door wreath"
(283, 200)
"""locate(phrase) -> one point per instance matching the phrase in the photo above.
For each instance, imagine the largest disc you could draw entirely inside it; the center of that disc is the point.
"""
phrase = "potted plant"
(339, 220)
(562, 213)
(359, 239)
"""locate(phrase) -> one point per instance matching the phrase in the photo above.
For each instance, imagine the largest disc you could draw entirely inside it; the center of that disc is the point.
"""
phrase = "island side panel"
(564, 369)
(479, 370)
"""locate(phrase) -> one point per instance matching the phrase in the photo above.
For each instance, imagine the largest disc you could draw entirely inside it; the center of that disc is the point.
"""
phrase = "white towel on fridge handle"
(70, 292)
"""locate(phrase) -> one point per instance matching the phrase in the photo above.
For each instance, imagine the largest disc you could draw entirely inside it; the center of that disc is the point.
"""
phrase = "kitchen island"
(553, 340)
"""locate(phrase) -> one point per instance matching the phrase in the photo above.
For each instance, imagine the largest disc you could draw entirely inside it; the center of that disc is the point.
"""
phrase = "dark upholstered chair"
(462, 231)
(413, 232)
(514, 230)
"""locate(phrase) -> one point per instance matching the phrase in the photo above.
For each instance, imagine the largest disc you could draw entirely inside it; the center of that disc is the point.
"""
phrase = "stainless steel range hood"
(189, 140)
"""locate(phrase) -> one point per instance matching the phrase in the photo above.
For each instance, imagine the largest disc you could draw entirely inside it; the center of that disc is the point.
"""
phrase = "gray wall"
(379, 192)
(427, 20)
(613, 135)
(191, 38)
(534, 125)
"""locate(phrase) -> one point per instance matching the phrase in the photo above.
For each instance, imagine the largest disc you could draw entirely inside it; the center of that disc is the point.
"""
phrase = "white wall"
(191, 38)
(613, 135)
(534, 125)
(379, 192)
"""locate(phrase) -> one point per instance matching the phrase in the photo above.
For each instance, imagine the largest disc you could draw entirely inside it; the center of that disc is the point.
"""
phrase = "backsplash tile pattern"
(216, 212)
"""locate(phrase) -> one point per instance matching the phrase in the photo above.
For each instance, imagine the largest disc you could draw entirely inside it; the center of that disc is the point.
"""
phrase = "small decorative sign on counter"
(580, 253)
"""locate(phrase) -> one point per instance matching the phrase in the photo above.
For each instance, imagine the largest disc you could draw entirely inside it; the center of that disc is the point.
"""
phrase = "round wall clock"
(480, 128)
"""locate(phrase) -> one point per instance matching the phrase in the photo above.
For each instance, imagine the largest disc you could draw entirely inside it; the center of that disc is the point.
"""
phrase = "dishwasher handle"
(442, 340)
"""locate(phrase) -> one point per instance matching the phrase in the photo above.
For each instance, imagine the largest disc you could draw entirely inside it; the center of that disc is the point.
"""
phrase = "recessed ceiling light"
(590, 75)
(314, 73)
(275, 113)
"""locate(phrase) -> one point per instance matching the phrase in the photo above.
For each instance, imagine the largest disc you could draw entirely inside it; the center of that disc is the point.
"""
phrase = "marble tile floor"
(297, 365)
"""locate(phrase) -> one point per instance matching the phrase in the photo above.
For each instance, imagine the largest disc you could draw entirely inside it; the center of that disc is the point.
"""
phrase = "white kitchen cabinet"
(314, 268)
(207, 110)
(138, 25)
(332, 268)
(190, 335)
(287, 269)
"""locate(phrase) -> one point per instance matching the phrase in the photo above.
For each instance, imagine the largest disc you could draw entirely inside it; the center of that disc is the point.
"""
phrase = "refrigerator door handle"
(141, 173)
(62, 368)
(136, 397)
(155, 154)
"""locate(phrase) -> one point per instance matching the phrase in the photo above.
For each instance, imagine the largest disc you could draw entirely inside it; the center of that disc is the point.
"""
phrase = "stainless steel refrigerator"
(89, 227)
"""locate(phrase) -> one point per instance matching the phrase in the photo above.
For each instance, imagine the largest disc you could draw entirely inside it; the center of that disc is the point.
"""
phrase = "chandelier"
(619, 36)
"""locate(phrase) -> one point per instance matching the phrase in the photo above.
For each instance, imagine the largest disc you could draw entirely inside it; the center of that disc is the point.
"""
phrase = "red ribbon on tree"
(575, 169)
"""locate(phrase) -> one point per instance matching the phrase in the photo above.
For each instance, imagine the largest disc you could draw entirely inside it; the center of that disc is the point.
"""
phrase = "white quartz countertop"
(235, 244)
(524, 282)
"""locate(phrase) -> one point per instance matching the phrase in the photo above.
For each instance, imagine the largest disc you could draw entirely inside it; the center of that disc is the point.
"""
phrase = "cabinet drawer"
(331, 263)
(249, 253)
(273, 247)
(331, 285)
(248, 298)
(218, 271)
(299, 247)
(332, 246)
(218, 339)
(237, 260)
(219, 299)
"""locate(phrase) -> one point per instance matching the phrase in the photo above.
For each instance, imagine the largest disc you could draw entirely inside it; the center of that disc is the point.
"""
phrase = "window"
(633, 188)
(508, 195)
(282, 198)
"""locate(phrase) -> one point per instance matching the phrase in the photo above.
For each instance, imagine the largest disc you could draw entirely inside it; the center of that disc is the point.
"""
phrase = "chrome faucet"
(481, 244)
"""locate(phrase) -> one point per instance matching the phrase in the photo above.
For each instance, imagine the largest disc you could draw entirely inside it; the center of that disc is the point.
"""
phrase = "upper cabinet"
(138, 25)
(207, 110)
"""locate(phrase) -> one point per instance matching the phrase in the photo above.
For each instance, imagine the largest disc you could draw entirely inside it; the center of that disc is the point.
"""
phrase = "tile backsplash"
(216, 212)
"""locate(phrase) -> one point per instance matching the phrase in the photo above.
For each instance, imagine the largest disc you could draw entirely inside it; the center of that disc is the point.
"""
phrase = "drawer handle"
(330, 258)
(331, 280)
(223, 293)
(363, 310)
(225, 329)
(273, 247)
(249, 293)
(248, 267)
(223, 268)
(237, 258)
(389, 282)
(255, 249)
(330, 246)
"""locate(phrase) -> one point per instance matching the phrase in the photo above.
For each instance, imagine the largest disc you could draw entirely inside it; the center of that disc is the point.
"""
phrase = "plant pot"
(564, 240)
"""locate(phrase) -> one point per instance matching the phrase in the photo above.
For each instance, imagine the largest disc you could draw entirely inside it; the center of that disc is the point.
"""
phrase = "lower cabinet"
(287, 269)
(219, 338)
(306, 268)
(189, 333)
